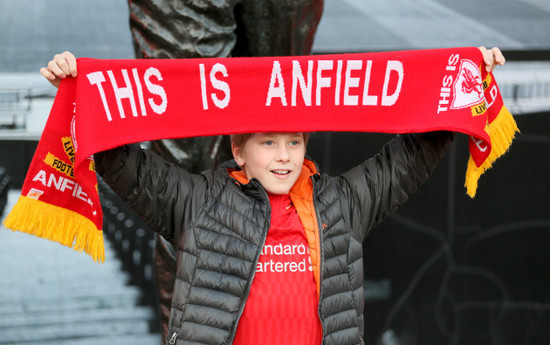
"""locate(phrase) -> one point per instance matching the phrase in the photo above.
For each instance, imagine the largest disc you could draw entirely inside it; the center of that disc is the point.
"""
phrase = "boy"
(269, 249)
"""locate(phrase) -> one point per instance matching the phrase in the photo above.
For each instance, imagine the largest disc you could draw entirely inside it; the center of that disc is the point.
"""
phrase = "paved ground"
(372, 25)
(34, 30)
(52, 295)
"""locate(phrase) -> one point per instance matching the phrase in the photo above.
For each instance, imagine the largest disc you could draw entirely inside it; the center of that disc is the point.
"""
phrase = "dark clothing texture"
(219, 227)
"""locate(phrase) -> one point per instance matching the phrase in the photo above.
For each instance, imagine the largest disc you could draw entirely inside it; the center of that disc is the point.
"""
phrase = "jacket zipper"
(266, 228)
(173, 338)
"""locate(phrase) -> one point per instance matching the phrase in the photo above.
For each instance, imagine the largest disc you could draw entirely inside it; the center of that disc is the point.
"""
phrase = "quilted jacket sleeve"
(382, 183)
(153, 187)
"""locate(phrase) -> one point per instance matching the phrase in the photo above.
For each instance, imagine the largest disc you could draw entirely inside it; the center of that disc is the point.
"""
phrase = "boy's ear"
(237, 155)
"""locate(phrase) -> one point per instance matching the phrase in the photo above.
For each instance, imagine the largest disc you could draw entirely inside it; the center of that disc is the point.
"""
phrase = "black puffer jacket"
(219, 227)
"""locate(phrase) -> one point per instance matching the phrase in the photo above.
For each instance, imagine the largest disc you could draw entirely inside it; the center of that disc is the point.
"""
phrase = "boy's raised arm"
(141, 178)
(386, 181)
(150, 185)
(381, 184)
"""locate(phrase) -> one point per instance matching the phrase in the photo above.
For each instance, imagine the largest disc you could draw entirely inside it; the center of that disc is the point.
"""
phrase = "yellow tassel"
(502, 132)
(56, 224)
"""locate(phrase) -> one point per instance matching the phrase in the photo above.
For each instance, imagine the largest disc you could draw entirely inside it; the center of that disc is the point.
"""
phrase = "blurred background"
(445, 269)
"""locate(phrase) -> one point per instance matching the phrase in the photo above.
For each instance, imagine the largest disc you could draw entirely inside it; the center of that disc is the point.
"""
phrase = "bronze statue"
(208, 28)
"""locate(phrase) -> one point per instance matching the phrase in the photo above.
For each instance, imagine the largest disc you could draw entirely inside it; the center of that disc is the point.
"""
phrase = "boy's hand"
(61, 66)
(492, 58)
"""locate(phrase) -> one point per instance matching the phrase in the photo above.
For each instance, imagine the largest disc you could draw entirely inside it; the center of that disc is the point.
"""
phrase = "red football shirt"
(282, 307)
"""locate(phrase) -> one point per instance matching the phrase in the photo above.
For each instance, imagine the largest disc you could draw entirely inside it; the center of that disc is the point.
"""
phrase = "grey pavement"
(34, 30)
(51, 294)
(373, 25)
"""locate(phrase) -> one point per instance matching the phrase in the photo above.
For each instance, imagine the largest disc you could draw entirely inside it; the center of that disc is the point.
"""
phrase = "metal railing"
(15, 104)
(133, 242)
(526, 97)
(4, 188)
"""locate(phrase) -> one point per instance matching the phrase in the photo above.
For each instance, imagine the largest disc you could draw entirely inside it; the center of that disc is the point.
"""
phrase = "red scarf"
(115, 102)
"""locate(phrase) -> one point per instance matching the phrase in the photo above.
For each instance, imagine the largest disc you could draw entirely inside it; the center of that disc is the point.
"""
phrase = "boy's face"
(275, 159)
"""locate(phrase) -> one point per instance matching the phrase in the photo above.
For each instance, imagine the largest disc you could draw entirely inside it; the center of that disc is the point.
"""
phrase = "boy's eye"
(294, 143)
(268, 142)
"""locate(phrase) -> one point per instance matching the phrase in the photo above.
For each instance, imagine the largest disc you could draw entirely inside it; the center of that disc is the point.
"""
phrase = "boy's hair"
(238, 140)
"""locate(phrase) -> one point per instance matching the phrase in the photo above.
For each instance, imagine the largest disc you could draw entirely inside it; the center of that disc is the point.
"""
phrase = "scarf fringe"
(57, 224)
(502, 131)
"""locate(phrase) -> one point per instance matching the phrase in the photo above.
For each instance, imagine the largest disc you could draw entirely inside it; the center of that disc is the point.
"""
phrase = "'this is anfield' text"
(290, 83)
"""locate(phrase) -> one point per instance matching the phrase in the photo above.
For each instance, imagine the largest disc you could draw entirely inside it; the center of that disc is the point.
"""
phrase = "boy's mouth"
(281, 172)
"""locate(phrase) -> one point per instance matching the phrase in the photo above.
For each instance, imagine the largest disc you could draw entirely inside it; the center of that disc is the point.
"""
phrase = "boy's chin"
(277, 190)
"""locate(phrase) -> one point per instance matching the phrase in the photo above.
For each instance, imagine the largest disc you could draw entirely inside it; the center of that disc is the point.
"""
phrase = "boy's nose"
(282, 154)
